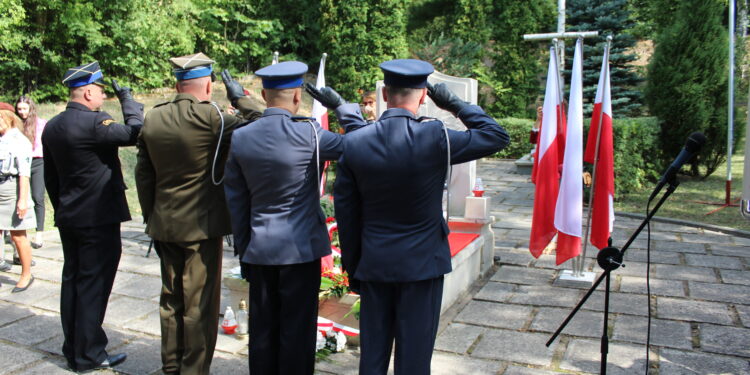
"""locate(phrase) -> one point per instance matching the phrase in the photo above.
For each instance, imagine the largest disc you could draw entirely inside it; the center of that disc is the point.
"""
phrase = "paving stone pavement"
(700, 306)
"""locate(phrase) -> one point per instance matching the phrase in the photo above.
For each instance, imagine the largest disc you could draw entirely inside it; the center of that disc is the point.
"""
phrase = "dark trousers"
(283, 318)
(91, 258)
(406, 312)
(37, 191)
(189, 304)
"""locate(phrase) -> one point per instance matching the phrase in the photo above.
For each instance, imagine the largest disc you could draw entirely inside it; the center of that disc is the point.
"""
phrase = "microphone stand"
(609, 259)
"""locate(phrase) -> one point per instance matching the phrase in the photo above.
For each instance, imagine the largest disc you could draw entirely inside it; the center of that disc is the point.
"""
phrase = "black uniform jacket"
(82, 171)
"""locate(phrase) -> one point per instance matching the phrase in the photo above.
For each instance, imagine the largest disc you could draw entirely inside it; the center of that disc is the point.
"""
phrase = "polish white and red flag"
(320, 113)
(569, 208)
(546, 173)
(602, 208)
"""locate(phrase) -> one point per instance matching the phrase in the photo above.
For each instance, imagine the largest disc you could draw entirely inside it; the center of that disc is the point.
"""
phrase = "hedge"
(518, 128)
(636, 148)
(637, 153)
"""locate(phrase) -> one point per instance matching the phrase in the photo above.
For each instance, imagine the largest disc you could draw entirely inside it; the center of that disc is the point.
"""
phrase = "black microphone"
(694, 143)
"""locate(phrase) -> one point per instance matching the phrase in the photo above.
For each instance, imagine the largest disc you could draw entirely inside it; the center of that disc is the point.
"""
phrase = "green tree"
(235, 34)
(608, 17)
(687, 82)
(13, 16)
(298, 32)
(514, 64)
(132, 40)
(358, 35)
(484, 40)
(651, 16)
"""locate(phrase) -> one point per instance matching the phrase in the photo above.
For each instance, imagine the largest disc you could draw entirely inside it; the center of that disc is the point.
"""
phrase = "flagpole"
(579, 269)
(559, 107)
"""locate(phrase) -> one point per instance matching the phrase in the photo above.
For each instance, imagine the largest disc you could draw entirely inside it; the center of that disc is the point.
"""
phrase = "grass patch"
(683, 203)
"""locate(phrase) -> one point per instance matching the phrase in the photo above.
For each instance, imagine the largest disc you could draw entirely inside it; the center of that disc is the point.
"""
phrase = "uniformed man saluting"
(84, 181)
(273, 188)
(389, 184)
(181, 154)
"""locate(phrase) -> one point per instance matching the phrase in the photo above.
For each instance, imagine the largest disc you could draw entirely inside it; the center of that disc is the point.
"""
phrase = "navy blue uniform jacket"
(271, 188)
(82, 171)
(389, 188)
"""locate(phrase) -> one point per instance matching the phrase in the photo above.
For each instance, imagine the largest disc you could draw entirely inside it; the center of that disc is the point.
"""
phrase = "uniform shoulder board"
(161, 104)
(426, 119)
(302, 119)
(107, 122)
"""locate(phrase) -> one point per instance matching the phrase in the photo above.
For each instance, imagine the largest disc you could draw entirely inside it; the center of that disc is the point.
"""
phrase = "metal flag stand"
(575, 276)
(578, 262)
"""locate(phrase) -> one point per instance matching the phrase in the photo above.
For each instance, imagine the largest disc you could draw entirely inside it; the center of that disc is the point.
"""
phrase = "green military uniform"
(186, 214)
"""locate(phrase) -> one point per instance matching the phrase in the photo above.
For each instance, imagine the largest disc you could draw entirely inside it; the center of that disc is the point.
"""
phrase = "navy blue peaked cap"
(83, 75)
(284, 75)
(407, 73)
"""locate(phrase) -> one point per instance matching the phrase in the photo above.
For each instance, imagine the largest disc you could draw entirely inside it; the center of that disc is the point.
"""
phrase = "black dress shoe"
(4, 266)
(109, 362)
(112, 361)
(18, 290)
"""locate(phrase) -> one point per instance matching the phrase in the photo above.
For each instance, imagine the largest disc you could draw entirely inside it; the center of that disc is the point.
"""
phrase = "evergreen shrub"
(636, 141)
(687, 83)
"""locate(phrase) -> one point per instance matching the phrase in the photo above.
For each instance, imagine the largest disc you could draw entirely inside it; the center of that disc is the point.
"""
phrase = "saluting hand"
(444, 98)
(123, 93)
(234, 88)
(327, 96)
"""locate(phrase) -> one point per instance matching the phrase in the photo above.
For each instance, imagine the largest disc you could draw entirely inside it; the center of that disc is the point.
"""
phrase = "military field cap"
(407, 73)
(84, 75)
(284, 75)
(192, 66)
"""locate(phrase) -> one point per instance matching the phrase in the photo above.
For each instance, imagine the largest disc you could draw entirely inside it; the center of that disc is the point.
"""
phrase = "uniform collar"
(78, 106)
(185, 96)
(397, 112)
(276, 111)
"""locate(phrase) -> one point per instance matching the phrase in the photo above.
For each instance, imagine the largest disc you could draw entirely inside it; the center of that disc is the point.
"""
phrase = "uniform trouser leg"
(91, 258)
(189, 304)
(405, 312)
(283, 318)
(37, 191)
(418, 311)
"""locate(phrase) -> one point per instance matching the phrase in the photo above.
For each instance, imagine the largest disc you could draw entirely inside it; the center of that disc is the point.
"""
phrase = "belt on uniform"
(6, 177)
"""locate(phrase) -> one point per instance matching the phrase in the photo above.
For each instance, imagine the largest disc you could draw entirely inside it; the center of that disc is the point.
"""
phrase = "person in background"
(369, 100)
(33, 126)
(15, 168)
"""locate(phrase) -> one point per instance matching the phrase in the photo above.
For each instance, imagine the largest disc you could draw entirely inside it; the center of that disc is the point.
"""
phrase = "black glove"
(444, 98)
(123, 93)
(325, 95)
(234, 89)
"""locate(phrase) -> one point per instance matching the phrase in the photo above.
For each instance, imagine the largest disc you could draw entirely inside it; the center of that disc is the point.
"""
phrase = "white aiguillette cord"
(448, 172)
(218, 146)
(318, 177)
